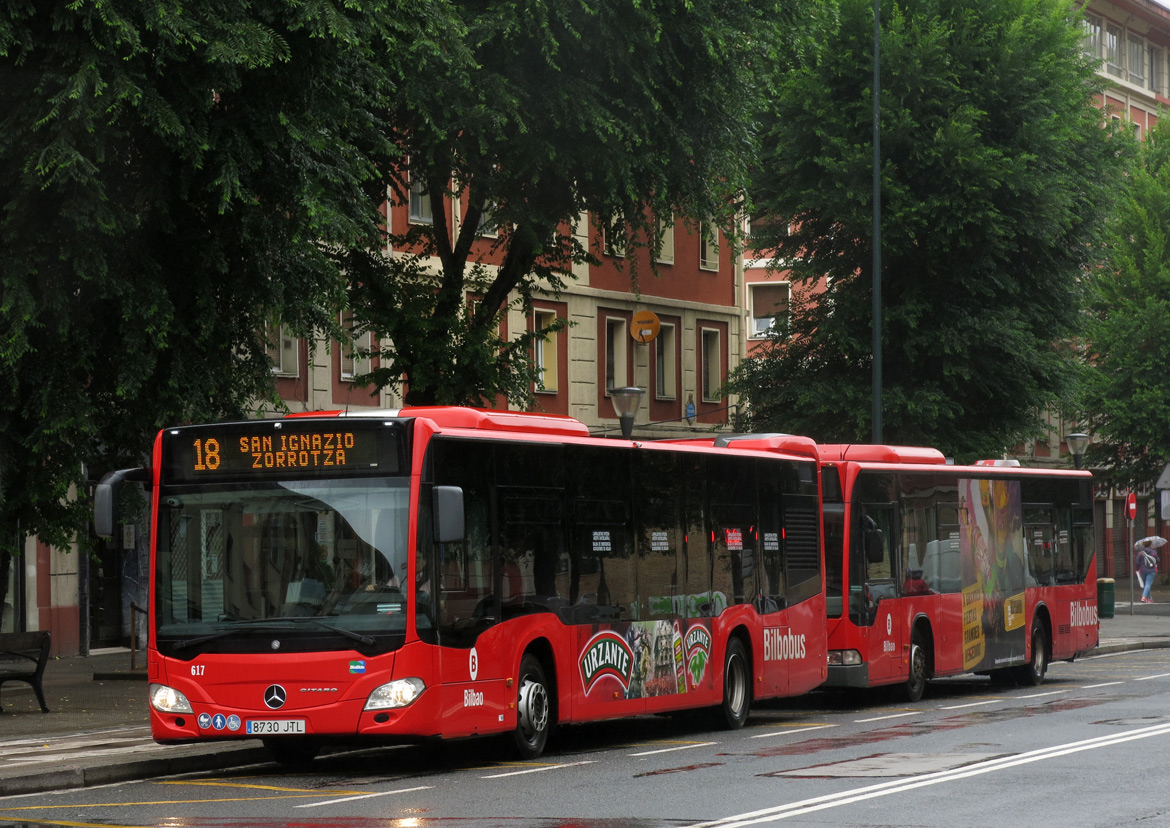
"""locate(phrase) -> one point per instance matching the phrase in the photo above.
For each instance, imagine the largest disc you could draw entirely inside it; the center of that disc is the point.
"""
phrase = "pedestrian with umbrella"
(1147, 564)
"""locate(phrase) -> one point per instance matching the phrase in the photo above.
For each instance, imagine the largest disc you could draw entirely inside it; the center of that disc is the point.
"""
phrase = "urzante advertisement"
(646, 658)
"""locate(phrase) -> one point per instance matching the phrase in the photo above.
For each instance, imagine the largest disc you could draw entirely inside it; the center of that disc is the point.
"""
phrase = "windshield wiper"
(359, 637)
(257, 622)
(356, 636)
(203, 639)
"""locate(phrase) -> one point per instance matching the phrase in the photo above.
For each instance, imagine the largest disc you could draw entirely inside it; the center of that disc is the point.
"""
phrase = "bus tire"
(292, 752)
(533, 708)
(916, 681)
(737, 686)
(1032, 673)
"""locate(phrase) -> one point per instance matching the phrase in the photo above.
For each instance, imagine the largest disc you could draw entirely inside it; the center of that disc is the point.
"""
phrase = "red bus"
(935, 569)
(451, 572)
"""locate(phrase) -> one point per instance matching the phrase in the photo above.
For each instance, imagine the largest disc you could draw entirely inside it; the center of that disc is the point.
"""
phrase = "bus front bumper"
(846, 675)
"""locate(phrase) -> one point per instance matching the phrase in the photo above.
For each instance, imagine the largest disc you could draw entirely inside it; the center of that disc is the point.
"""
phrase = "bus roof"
(449, 416)
(772, 443)
(868, 453)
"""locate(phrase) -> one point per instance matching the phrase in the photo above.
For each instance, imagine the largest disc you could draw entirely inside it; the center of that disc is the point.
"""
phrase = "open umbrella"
(1156, 541)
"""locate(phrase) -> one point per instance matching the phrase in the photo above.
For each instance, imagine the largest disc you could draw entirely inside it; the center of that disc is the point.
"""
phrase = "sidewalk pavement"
(97, 729)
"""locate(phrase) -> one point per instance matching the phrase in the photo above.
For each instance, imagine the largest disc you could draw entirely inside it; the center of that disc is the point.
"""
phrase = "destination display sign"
(282, 448)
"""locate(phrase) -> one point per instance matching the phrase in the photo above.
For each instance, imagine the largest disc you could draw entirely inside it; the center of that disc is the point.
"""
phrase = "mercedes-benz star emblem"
(275, 696)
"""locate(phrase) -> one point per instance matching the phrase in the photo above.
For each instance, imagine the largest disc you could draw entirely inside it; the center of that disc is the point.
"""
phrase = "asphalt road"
(1087, 748)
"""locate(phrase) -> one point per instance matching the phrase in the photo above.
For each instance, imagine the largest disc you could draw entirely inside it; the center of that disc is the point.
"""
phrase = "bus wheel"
(916, 682)
(737, 689)
(1032, 673)
(533, 719)
(292, 752)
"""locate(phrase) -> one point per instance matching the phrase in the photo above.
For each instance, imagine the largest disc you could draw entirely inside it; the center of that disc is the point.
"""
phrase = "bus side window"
(876, 542)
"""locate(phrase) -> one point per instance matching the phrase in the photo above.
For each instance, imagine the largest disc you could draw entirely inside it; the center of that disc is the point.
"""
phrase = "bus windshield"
(307, 565)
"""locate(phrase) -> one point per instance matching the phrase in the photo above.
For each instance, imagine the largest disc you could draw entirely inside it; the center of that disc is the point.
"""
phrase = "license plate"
(275, 727)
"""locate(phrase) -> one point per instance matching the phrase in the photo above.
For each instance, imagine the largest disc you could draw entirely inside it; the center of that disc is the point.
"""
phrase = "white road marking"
(365, 796)
(771, 733)
(539, 770)
(889, 716)
(820, 803)
(672, 749)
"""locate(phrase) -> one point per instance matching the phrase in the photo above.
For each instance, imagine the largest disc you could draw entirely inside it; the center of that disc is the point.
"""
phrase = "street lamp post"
(625, 404)
(1077, 443)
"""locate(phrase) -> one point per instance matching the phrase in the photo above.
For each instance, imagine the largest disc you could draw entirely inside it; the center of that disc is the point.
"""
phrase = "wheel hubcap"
(533, 708)
(735, 685)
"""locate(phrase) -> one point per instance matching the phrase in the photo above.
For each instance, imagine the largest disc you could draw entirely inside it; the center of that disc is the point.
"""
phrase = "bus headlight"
(844, 658)
(168, 700)
(398, 693)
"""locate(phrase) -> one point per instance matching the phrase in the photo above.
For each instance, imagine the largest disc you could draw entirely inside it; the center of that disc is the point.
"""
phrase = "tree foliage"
(630, 109)
(174, 175)
(994, 177)
(1126, 377)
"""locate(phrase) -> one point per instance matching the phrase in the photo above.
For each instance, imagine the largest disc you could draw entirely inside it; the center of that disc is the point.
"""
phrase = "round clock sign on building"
(645, 326)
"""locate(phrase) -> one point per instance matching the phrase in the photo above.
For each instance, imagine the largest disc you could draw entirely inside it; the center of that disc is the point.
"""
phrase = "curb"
(70, 777)
(1128, 646)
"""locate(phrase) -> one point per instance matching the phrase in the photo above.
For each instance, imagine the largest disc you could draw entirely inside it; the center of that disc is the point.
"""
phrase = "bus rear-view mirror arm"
(105, 498)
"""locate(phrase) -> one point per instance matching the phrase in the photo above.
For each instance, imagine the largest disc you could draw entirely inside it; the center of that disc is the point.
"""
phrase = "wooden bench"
(23, 657)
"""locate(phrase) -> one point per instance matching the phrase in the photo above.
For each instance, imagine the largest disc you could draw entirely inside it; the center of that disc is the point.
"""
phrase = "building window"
(612, 244)
(283, 350)
(666, 236)
(355, 350)
(665, 361)
(544, 352)
(615, 354)
(1137, 60)
(709, 246)
(581, 227)
(712, 354)
(767, 302)
(1113, 56)
(420, 202)
(1157, 69)
(1092, 41)
(488, 225)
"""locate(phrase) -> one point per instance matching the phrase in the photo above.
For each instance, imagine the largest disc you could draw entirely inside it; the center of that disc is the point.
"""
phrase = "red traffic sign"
(1131, 505)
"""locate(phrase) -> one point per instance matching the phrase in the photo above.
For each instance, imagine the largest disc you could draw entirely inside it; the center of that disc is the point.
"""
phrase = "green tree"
(173, 176)
(630, 109)
(995, 177)
(1126, 378)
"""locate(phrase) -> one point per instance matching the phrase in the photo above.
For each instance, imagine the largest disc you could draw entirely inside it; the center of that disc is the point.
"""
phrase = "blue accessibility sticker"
(233, 722)
(219, 721)
(204, 721)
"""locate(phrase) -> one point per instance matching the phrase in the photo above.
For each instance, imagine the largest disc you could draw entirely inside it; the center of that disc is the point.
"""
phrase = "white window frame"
(710, 340)
(351, 365)
(285, 354)
(666, 362)
(1113, 50)
(708, 246)
(1135, 54)
(545, 353)
(421, 209)
(615, 346)
(666, 235)
(755, 315)
(1094, 32)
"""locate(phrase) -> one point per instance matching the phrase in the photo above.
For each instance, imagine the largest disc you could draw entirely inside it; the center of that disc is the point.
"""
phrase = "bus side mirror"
(105, 498)
(448, 509)
(875, 551)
